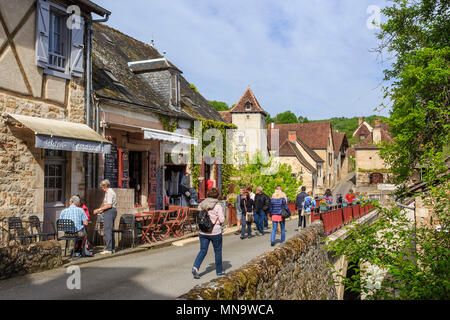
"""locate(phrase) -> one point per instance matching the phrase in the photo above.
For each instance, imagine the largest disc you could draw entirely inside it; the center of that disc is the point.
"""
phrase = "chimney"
(292, 136)
(360, 121)
(377, 132)
(162, 76)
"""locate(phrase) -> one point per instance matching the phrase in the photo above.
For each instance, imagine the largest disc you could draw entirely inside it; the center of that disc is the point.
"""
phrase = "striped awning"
(169, 136)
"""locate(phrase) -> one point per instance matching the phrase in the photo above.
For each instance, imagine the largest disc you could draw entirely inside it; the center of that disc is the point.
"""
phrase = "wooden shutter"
(42, 33)
(77, 50)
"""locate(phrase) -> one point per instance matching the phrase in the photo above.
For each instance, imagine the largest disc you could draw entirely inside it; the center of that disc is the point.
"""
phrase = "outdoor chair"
(147, 231)
(174, 224)
(126, 226)
(36, 224)
(68, 228)
(162, 229)
(16, 231)
(99, 229)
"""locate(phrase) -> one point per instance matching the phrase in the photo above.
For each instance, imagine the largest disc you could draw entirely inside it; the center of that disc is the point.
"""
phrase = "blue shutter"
(42, 33)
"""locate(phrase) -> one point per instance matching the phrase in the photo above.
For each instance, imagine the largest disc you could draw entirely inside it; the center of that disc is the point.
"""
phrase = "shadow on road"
(226, 265)
(93, 284)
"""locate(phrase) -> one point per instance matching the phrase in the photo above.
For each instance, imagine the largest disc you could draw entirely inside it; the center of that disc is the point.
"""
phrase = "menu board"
(112, 167)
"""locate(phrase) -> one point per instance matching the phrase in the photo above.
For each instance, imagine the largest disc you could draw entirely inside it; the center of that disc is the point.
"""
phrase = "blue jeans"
(259, 220)
(244, 225)
(266, 221)
(204, 244)
(274, 231)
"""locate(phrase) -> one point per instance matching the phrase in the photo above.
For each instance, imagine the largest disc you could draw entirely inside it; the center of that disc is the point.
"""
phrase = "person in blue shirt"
(308, 204)
(77, 215)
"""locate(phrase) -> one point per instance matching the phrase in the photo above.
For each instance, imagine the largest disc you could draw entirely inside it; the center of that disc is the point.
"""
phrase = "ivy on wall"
(170, 124)
(227, 169)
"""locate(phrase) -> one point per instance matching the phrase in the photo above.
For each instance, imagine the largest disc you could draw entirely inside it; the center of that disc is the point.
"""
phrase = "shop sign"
(57, 143)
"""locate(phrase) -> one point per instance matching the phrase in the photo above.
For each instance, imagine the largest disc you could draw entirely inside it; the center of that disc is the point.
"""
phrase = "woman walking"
(248, 209)
(216, 214)
(277, 204)
(328, 197)
(109, 215)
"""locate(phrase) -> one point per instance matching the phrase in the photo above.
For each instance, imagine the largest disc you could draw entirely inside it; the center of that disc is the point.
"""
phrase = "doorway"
(54, 185)
(135, 171)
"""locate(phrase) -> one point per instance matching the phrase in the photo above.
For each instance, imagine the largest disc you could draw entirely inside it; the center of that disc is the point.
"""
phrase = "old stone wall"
(296, 271)
(36, 257)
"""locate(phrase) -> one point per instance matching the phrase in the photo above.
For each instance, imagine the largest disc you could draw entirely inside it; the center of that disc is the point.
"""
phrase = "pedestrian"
(250, 192)
(299, 208)
(287, 200)
(217, 216)
(247, 208)
(328, 197)
(262, 206)
(339, 199)
(308, 204)
(109, 211)
(277, 203)
(237, 205)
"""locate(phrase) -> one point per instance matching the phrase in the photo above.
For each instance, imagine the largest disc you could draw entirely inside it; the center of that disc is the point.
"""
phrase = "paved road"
(344, 186)
(155, 274)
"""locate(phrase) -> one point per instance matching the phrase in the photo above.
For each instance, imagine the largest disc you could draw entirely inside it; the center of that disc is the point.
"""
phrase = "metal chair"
(68, 227)
(35, 223)
(126, 226)
(99, 228)
(17, 231)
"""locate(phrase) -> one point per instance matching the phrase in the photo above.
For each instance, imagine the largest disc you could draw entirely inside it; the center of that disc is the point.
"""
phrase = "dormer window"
(248, 106)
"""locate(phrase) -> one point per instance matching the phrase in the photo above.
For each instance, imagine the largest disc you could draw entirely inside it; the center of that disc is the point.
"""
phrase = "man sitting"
(77, 215)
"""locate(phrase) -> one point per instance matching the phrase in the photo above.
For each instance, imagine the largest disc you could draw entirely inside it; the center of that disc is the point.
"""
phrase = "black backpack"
(204, 222)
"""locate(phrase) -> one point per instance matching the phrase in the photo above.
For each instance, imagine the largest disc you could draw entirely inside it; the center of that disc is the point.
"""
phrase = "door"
(54, 186)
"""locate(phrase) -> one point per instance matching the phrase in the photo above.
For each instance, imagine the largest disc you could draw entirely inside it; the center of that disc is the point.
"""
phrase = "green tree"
(286, 117)
(303, 119)
(219, 105)
(415, 255)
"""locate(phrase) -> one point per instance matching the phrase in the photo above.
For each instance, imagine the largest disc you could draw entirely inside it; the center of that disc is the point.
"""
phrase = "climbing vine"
(227, 169)
(170, 124)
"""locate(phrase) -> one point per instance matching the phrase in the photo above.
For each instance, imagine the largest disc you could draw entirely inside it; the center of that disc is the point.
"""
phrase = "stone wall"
(36, 257)
(296, 271)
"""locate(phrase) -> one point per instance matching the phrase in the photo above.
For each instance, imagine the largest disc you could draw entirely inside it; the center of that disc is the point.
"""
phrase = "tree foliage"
(414, 253)
(286, 118)
(219, 105)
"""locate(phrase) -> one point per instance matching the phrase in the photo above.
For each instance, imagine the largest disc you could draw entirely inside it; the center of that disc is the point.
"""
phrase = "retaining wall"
(296, 271)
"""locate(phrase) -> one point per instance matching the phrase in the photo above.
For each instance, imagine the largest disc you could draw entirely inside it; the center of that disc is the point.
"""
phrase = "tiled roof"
(248, 99)
(314, 135)
(227, 116)
(113, 79)
(368, 142)
(338, 140)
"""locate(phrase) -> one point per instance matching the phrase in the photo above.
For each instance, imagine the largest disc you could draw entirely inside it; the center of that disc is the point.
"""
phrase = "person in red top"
(350, 197)
(83, 206)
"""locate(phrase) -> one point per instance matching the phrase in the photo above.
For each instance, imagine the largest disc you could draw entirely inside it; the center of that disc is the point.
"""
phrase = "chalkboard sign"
(112, 167)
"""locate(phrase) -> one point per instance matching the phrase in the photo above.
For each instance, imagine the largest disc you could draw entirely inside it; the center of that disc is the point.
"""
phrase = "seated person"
(77, 215)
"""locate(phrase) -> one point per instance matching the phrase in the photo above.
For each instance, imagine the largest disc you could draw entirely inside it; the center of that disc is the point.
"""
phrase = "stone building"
(370, 168)
(44, 133)
(146, 108)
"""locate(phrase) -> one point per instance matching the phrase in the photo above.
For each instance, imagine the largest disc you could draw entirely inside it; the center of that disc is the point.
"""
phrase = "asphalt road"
(161, 274)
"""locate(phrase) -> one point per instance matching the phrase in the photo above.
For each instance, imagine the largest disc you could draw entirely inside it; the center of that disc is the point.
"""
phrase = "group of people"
(79, 214)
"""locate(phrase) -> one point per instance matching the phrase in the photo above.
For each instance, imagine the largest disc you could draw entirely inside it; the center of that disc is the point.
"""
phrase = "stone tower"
(250, 118)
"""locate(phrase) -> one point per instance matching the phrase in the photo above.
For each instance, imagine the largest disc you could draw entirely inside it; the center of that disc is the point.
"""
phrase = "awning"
(63, 135)
(169, 136)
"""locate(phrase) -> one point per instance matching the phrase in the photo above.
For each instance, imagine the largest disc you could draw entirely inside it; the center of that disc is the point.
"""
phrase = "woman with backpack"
(216, 214)
(328, 197)
(248, 209)
(277, 204)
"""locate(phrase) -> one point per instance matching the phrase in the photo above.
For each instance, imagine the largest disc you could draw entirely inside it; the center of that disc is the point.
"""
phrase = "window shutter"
(42, 33)
(77, 50)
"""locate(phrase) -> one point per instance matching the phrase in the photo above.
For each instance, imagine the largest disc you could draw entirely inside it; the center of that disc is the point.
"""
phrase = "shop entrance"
(135, 170)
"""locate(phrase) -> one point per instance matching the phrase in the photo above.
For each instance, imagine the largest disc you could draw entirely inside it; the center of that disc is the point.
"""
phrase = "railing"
(338, 216)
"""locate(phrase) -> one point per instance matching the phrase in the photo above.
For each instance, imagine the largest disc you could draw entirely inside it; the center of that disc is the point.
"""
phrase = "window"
(330, 159)
(59, 49)
(248, 106)
(175, 90)
(54, 176)
(58, 39)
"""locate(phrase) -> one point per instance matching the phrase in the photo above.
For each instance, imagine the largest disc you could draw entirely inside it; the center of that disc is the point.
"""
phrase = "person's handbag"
(285, 213)
(249, 217)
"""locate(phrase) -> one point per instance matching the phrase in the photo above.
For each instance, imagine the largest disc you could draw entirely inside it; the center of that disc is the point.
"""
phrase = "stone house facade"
(43, 133)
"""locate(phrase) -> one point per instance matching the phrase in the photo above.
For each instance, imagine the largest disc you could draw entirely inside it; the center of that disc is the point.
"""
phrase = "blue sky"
(312, 57)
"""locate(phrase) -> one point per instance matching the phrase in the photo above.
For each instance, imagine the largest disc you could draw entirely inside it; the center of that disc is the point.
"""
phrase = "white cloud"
(311, 56)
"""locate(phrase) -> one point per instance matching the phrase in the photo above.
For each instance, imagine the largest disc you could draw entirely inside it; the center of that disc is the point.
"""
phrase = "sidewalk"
(176, 242)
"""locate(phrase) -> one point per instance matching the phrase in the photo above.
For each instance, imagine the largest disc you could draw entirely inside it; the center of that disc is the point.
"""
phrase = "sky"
(312, 57)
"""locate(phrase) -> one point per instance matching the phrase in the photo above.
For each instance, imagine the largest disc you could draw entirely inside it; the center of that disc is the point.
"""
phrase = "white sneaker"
(106, 252)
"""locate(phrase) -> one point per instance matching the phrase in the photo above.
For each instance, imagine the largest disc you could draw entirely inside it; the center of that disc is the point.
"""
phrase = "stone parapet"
(36, 257)
(296, 271)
